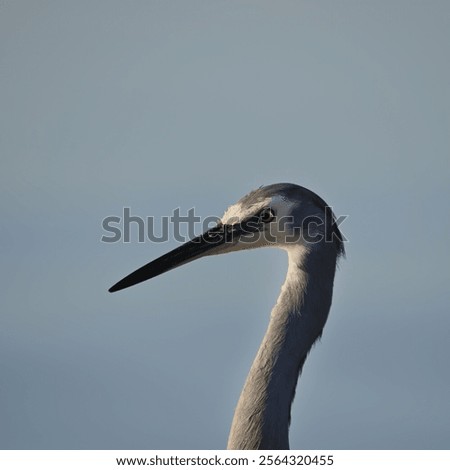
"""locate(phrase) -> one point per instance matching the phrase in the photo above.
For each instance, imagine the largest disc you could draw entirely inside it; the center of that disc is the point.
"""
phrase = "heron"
(293, 218)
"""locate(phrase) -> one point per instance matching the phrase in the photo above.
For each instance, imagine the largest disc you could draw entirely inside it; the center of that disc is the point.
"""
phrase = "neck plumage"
(262, 416)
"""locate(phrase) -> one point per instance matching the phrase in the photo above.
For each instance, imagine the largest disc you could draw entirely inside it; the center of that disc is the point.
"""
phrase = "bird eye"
(266, 215)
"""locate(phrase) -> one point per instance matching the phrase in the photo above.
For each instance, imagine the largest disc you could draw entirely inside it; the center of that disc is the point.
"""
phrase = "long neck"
(262, 416)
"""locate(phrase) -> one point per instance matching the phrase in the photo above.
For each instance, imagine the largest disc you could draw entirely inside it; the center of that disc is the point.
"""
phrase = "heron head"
(283, 215)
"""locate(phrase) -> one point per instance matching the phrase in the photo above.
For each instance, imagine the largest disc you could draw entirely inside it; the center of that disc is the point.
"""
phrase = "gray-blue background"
(162, 104)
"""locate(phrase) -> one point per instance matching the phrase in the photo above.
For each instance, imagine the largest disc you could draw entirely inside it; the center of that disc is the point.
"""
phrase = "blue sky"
(158, 105)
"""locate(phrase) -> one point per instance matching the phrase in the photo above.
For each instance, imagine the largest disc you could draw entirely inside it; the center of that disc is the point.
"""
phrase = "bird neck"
(262, 416)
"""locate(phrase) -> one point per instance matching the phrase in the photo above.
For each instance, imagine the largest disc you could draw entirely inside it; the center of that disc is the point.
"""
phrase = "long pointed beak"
(207, 244)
